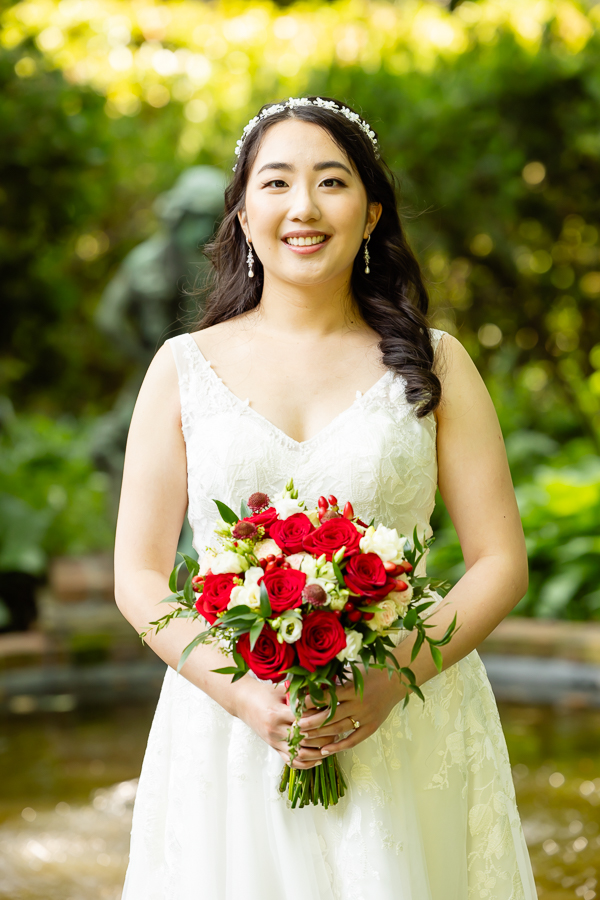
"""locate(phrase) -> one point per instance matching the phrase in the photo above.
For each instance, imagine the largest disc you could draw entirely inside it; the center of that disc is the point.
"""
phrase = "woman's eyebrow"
(318, 167)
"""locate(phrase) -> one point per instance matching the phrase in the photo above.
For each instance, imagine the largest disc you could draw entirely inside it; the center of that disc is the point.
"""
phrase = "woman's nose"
(304, 205)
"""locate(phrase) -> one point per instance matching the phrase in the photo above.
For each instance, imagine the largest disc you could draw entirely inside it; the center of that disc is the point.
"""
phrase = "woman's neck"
(310, 311)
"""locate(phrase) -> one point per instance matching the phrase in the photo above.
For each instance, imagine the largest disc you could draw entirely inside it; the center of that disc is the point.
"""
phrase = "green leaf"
(338, 573)
(174, 598)
(173, 578)
(226, 513)
(265, 603)
(359, 682)
(192, 565)
(255, 632)
(437, 657)
(417, 645)
(227, 670)
(410, 619)
(245, 510)
(188, 591)
(186, 652)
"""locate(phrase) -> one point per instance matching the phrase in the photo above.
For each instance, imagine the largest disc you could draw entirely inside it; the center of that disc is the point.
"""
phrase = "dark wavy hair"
(392, 299)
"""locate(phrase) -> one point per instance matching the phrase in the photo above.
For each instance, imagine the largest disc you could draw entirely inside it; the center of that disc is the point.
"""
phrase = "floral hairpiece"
(304, 101)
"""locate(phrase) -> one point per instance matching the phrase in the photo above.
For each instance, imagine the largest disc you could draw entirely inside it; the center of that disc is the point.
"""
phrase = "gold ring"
(355, 723)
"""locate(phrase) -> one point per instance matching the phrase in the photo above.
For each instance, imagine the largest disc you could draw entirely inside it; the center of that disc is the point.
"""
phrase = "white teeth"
(305, 241)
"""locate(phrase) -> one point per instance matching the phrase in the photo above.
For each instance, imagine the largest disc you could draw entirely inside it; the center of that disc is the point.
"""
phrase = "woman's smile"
(304, 242)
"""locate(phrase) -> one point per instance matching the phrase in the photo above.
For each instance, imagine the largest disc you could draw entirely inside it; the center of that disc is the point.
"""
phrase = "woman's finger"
(358, 735)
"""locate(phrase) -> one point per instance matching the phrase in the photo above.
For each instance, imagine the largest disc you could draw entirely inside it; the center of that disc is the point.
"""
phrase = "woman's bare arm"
(152, 507)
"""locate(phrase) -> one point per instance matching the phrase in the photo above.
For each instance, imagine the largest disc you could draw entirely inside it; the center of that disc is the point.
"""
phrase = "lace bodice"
(376, 453)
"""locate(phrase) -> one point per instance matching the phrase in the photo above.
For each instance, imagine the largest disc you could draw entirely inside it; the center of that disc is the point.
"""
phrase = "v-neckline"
(245, 404)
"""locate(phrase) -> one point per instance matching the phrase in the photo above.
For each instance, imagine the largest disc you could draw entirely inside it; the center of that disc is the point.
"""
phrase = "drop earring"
(250, 260)
(367, 257)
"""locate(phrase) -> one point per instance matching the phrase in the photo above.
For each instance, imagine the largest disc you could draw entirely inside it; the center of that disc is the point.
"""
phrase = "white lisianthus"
(266, 548)
(229, 561)
(326, 571)
(385, 542)
(245, 595)
(207, 561)
(350, 652)
(253, 575)
(339, 600)
(384, 614)
(286, 507)
(290, 627)
(401, 599)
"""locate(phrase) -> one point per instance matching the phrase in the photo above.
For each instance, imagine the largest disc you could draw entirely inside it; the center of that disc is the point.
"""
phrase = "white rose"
(290, 627)
(245, 595)
(228, 561)
(287, 507)
(353, 645)
(266, 548)
(304, 563)
(385, 542)
(385, 613)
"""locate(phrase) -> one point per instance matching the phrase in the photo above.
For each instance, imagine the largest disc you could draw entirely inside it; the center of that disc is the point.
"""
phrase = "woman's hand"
(380, 695)
(262, 706)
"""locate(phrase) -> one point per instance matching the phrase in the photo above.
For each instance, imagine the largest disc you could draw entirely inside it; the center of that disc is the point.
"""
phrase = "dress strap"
(436, 335)
(188, 362)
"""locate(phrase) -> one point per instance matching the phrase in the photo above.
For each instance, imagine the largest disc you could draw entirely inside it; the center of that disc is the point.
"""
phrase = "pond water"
(68, 784)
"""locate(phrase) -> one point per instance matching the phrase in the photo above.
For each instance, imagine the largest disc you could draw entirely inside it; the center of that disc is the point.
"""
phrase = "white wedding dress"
(430, 813)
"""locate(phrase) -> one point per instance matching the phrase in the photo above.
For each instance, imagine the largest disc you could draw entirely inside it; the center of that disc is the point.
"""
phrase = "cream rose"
(245, 595)
(385, 613)
(265, 548)
(287, 507)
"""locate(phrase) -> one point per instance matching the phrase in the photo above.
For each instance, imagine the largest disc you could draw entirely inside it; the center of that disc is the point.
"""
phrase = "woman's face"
(306, 210)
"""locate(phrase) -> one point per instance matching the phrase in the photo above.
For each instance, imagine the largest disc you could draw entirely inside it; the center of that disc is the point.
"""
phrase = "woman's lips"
(311, 248)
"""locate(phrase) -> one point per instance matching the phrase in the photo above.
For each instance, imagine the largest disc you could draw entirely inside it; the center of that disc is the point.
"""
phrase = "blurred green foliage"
(52, 500)
(489, 113)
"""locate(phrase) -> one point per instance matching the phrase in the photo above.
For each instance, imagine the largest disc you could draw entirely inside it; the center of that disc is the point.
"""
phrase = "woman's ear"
(373, 216)
(243, 220)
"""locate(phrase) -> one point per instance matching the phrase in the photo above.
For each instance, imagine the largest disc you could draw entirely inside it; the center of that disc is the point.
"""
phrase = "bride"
(313, 359)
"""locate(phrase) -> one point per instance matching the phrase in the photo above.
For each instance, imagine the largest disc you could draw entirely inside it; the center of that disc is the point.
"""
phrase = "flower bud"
(322, 503)
(407, 567)
(332, 500)
(400, 585)
(348, 511)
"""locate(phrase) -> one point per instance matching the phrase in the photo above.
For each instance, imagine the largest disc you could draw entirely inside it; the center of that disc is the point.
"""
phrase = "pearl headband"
(294, 102)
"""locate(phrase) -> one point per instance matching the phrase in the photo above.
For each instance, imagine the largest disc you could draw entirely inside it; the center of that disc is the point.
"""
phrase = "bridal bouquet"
(312, 597)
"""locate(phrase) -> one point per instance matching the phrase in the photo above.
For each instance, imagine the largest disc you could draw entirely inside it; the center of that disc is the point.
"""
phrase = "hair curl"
(392, 300)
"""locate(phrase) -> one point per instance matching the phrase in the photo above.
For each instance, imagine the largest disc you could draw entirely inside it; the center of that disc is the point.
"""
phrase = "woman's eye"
(277, 182)
(333, 182)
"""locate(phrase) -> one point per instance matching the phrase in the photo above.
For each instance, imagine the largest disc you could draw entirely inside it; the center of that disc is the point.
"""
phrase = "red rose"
(265, 518)
(322, 638)
(289, 533)
(329, 537)
(284, 587)
(215, 596)
(269, 660)
(365, 575)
